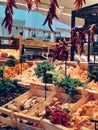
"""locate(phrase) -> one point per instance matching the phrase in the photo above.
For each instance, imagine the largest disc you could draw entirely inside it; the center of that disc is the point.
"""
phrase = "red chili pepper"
(79, 3)
(8, 21)
(51, 14)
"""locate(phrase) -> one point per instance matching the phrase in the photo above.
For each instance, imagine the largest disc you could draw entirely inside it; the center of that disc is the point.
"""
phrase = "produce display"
(85, 113)
(28, 76)
(65, 106)
(18, 106)
(9, 90)
(80, 74)
(13, 71)
(9, 54)
(43, 67)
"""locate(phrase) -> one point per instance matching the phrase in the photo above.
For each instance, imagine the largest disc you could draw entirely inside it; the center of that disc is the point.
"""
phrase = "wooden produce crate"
(50, 126)
(31, 114)
(7, 121)
(23, 118)
(85, 110)
(27, 122)
(16, 105)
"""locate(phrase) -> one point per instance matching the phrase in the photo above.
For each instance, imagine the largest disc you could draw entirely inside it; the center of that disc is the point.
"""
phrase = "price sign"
(22, 59)
(47, 78)
(93, 68)
(95, 48)
(28, 57)
(1, 73)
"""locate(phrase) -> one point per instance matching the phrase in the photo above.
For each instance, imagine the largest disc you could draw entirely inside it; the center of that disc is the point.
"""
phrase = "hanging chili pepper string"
(79, 3)
(51, 14)
(30, 3)
(78, 37)
(8, 21)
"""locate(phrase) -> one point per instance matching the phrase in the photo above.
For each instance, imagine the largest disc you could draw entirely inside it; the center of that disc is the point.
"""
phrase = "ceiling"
(64, 13)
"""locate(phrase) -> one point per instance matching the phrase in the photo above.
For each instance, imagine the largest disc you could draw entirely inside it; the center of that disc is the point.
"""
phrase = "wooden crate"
(24, 126)
(21, 99)
(7, 121)
(50, 126)
(30, 115)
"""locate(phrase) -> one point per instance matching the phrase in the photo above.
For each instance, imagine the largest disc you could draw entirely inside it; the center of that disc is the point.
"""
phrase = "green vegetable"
(11, 62)
(56, 76)
(7, 85)
(70, 84)
(43, 67)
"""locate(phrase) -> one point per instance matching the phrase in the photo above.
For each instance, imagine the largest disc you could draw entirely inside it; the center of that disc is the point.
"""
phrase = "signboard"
(22, 59)
(93, 68)
(95, 48)
(28, 57)
(1, 73)
(47, 78)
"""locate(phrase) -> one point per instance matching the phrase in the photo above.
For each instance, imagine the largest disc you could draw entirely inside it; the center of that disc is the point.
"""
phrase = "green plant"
(56, 76)
(7, 85)
(11, 62)
(70, 84)
(43, 67)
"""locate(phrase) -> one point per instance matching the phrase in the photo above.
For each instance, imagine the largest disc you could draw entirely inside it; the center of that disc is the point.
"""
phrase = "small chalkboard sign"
(22, 59)
(93, 68)
(47, 78)
(1, 73)
(95, 48)
(28, 57)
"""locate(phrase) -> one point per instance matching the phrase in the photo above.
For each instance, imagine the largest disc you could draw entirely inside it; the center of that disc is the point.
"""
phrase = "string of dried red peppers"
(51, 14)
(79, 3)
(8, 21)
(31, 2)
(61, 51)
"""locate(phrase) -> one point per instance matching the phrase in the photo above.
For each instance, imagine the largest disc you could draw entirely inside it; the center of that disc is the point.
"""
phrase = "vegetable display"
(11, 62)
(59, 116)
(43, 67)
(56, 76)
(70, 84)
(7, 85)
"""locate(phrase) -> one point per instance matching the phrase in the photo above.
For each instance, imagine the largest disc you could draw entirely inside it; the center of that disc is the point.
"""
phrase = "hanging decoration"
(8, 21)
(92, 32)
(79, 3)
(78, 36)
(61, 51)
(51, 14)
(32, 2)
